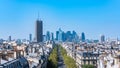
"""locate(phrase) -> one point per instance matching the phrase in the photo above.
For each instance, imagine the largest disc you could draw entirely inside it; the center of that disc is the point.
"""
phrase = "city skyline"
(17, 18)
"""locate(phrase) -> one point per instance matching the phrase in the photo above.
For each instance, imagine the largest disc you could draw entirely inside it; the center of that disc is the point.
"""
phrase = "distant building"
(52, 36)
(83, 37)
(119, 46)
(30, 37)
(57, 33)
(63, 36)
(74, 34)
(102, 38)
(48, 36)
(68, 36)
(60, 35)
(39, 31)
(1, 41)
(19, 41)
(75, 37)
(95, 41)
(9, 39)
(44, 38)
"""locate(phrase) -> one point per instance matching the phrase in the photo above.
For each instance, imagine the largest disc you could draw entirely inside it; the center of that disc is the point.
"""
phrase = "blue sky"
(94, 17)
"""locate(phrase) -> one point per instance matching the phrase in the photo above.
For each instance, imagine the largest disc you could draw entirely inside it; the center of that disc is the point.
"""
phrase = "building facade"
(39, 31)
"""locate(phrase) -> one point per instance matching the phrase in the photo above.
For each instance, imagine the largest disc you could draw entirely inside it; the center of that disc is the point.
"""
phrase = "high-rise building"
(83, 37)
(102, 38)
(52, 36)
(63, 36)
(69, 36)
(75, 36)
(9, 39)
(57, 33)
(39, 31)
(30, 37)
(60, 35)
(48, 36)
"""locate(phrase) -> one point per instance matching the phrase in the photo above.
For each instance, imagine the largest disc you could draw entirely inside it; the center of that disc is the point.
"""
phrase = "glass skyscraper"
(48, 36)
(60, 35)
(83, 37)
(57, 33)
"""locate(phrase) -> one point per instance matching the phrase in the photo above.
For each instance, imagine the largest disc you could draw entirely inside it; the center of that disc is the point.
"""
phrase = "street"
(60, 59)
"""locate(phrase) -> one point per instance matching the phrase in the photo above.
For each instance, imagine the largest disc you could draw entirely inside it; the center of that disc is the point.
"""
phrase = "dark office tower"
(83, 37)
(30, 37)
(39, 31)
(9, 39)
(102, 38)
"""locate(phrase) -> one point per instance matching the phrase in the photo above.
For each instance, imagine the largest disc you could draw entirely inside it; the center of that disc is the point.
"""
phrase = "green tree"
(52, 60)
(87, 66)
(69, 62)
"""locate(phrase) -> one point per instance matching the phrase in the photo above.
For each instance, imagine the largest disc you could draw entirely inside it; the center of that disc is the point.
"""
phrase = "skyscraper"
(60, 35)
(9, 39)
(102, 38)
(69, 36)
(52, 36)
(63, 37)
(30, 37)
(57, 33)
(39, 31)
(75, 36)
(83, 37)
(48, 36)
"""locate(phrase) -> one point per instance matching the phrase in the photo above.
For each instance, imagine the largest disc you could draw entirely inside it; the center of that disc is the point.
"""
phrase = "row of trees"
(87, 66)
(52, 60)
(69, 62)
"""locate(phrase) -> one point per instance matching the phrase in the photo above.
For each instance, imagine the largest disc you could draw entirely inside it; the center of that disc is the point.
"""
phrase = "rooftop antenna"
(38, 16)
